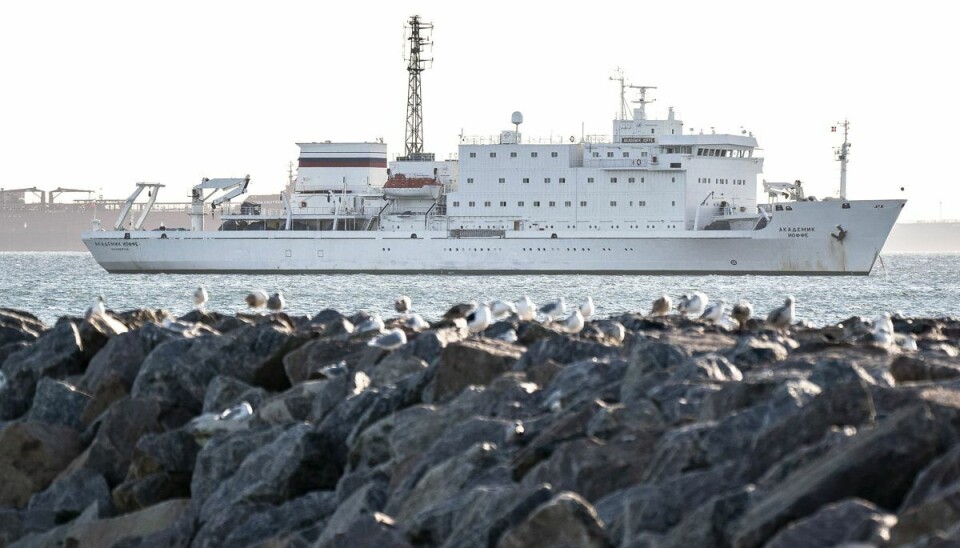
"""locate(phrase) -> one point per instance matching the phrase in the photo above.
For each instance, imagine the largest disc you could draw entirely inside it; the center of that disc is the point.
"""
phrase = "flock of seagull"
(477, 317)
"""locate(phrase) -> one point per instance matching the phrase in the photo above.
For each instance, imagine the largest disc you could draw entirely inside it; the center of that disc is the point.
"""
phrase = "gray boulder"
(68, 497)
(847, 521)
(57, 354)
(225, 391)
(32, 454)
(472, 362)
(220, 458)
(258, 523)
(121, 427)
(565, 520)
(57, 402)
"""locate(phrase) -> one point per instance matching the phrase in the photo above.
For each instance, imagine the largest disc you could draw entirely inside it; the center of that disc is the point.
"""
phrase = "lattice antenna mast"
(843, 155)
(618, 77)
(642, 101)
(419, 42)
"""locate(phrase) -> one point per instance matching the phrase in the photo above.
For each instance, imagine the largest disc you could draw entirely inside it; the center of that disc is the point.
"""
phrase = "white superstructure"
(648, 199)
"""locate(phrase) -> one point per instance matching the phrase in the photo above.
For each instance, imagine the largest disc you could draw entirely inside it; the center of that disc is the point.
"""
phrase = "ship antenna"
(642, 101)
(618, 77)
(415, 65)
(843, 155)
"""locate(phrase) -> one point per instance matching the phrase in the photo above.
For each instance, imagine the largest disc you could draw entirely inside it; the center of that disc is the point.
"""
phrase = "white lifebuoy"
(639, 162)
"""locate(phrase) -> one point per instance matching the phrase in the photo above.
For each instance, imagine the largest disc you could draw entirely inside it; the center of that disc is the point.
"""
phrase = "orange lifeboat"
(401, 186)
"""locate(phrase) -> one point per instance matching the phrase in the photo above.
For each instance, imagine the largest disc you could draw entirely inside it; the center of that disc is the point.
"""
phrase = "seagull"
(373, 323)
(742, 312)
(554, 309)
(417, 323)
(395, 338)
(661, 306)
(692, 305)
(501, 309)
(612, 330)
(459, 310)
(573, 323)
(97, 308)
(257, 299)
(906, 342)
(478, 319)
(200, 297)
(713, 312)
(509, 336)
(883, 330)
(276, 302)
(781, 317)
(586, 308)
(526, 310)
(402, 304)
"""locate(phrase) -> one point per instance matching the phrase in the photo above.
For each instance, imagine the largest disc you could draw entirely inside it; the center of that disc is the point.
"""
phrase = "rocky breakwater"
(135, 429)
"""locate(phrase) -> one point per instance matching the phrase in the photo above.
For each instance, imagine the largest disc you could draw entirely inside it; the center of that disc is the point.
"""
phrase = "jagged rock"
(17, 325)
(705, 525)
(570, 426)
(565, 520)
(160, 469)
(112, 531)
(111, 372)
(69, 496)
(428, 345)
(586, 380)
(305, 400)
(222, 456)
(472, 362)
(305, 362)
(289, 466)
(650, 363)
(368, 500)
(11, 526)
(926, 367)
(878, 465)
(368, 531)
(397, 436)
(120, 429)
(96, 330)
(847, 521)
(933, 503)
(261, 524)
(57, 402)
(706, 368)
(752, 352)
(58, 353)
(31, 456)
(563, 350)
(224, 392)
(136, 494)
(396, 367)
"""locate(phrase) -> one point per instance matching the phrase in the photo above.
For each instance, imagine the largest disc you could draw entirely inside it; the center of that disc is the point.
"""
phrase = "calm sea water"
(51, 285)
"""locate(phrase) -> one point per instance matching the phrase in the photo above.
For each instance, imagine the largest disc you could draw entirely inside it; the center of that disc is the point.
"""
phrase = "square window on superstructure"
(486, 204)
(493, 154)
(613, 204)
(553, 154)
(456, 204)
(503, 204)
(596, 154)
(583, 203)
(589, 179)
(536, 204)
(562, 180)
(533, 154)
(546, 180)
(469, 180)
(626, 154)
(526, 179)
(642, 179)
(613, 179)
(513, 154)
(519, 204)
(552, 204)
(642, 203)
(473, 154)
(643, 154)
(631, 179)
(472, 204)
(502, 180)
(609, 154)
(567, 204)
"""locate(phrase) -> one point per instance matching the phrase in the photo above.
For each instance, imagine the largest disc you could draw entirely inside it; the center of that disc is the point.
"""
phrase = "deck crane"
(231, 188)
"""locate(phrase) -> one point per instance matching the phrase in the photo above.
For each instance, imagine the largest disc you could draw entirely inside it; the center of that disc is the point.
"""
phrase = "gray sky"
(102, 94)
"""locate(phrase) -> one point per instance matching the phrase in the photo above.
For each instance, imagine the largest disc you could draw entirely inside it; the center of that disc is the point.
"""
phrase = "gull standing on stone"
(526, 310)
(395, 338)
(586, 308)
(554, 309)
(713, 312)
(402, 304)
(257, 298)
(200, 297)
(782, 317)
(373, 323)
(478, 319)
(692, 305)
(661, 306)
(276, 302)
(573, 323)
(97, 308)
(416, 322)
(742, 312)
(883, 330)
(501, 309)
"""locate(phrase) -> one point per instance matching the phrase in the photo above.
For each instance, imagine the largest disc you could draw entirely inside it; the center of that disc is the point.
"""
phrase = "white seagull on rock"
(661, 306)
(501, 309)
(573, 323)
(554, 309)
(373, 323)
(742, 312)
(97, 308)
(200, 297)
(586, 308)
(257, 298)
(526, 310)
(276, 302)
(692, 305)
(417, 323)
(395, 338)
(782, 317)
(402, 304)
(883, 330)
(713, 312)
(478, 319)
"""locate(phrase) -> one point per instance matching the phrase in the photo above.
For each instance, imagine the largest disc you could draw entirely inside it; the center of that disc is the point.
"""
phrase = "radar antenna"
(624, 108)
(419, 42)
(843, 155)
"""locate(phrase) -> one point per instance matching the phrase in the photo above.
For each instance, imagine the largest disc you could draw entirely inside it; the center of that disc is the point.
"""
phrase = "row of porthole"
(472, 249)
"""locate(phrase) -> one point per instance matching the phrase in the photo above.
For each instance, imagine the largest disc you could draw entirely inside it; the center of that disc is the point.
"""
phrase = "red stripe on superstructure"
(343, 162)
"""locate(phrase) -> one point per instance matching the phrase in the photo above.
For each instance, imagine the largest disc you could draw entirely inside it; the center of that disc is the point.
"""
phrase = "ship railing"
(497, 140)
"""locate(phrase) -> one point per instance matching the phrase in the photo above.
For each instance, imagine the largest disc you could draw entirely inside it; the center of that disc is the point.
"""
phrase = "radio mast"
(843, 155)
(418, 37)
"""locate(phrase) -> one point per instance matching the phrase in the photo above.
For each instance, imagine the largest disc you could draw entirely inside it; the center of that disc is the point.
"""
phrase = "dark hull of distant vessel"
(924, 237)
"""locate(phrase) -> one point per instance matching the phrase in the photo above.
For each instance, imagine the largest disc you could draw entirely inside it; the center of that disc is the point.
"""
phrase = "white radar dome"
(516, 118)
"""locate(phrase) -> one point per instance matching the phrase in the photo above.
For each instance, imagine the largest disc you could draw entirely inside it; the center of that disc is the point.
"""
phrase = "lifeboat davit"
(401, 186)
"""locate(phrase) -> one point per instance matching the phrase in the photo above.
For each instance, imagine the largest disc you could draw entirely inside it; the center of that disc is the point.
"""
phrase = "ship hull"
(801, 240)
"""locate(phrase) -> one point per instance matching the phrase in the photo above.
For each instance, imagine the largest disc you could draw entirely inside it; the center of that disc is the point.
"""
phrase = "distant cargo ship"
(924, 237)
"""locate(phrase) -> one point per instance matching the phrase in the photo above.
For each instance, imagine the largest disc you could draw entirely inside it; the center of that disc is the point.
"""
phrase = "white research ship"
(648, 200)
